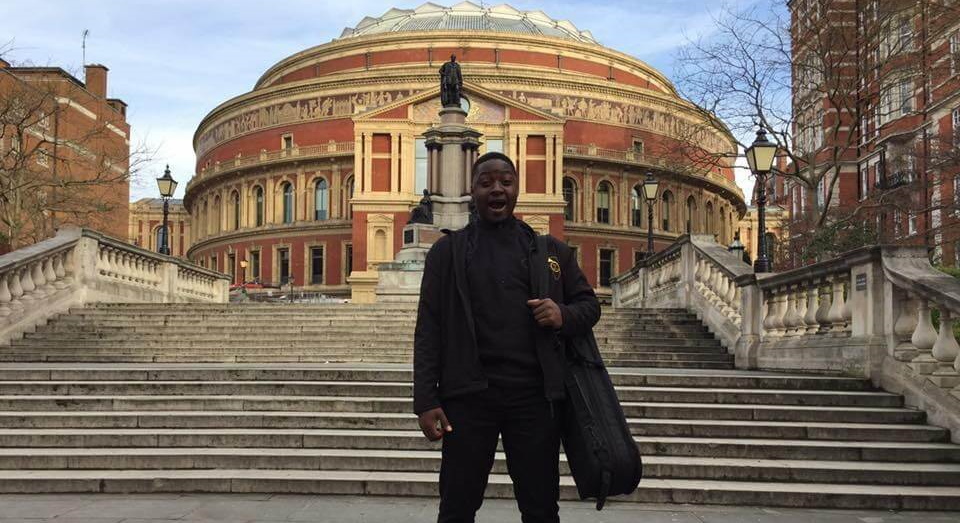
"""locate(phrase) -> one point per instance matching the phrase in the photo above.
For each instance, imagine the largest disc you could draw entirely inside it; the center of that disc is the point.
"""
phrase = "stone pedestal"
(400, 279)
(455, 149)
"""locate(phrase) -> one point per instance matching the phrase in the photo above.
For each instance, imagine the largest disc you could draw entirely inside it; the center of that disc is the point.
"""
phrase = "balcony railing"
(638, 158)
(305, 152)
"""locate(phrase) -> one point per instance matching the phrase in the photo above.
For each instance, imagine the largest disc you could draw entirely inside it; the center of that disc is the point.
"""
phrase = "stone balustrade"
(881, 312)
(79, 266)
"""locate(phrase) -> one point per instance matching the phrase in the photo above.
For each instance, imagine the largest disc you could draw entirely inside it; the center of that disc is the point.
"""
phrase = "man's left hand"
(546, 312)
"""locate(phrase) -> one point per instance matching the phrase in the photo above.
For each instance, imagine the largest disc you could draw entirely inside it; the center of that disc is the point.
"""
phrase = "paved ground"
(252, 508)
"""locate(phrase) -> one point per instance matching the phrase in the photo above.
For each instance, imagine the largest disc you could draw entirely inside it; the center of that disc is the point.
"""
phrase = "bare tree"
(813, 82)
(54, 169)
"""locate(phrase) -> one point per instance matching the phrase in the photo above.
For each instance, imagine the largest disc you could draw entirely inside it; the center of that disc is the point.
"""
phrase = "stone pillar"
(454, 142)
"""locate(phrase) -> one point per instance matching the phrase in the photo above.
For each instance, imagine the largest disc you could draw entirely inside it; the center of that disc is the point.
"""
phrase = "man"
(451, 83)
(488, 360)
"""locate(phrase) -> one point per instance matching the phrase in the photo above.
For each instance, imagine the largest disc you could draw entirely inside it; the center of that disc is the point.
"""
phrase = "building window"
(321, 200)
(288, 141)
(821, 194)
(347, 260)
(863, 182)
(708, 218)
(283, 265)
(667, 209)
(232, 267)
(606, 266)
(214, 263)
(638, 256)
(637, 147)
(955, 118)
(897, 223)
(316, 265)
(287, 202)
(42, 159)
(347, 196)
(603, 203)
(636, 206)
(569, 197)
(691, 214)
(420, 165)
(912, 224)
(236, 209)
(896, 99)
(495, 145)
(255, 265)
(161, 232)
(955, 52)
(258, 195)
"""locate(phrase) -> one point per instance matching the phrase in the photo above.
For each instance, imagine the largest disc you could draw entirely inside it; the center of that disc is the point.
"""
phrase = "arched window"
(258, 202)
(708, 218)
(569, 197)
(236, 209)
(347, 196)
(603, 202)
(723, 225)
(159, 239)
(666, 209)
(691, 214)
(204, 216)
(636, 206)
(287, 189)
(321, 200)
(217, 214)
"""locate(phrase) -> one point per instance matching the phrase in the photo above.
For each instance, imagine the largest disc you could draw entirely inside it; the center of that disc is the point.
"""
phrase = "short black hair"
(493, 155)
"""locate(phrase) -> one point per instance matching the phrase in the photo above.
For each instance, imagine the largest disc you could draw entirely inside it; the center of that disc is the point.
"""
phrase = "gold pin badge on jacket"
(554, 264)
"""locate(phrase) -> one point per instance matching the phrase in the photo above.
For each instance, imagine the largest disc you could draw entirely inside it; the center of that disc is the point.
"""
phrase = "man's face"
(495, 190)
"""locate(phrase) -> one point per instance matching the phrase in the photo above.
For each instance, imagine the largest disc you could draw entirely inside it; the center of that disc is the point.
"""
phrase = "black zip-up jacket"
(446, 362)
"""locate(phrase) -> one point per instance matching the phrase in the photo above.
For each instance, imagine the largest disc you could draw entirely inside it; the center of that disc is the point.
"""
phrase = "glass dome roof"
(467, 16)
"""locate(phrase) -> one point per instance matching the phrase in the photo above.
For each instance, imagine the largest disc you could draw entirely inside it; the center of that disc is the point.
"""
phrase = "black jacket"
(446, 362)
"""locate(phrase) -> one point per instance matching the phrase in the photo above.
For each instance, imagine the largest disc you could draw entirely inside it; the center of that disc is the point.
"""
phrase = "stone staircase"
(316, 399)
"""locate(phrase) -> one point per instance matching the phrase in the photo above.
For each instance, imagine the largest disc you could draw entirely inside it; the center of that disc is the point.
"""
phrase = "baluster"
(39, 282)
(810, 318)
(16, 290)
(903, 329)
(945, 351)
(800, 327)
(770, 319)
(731, 297)
(789, 313)
(103, 265)
(26, 283)
(924, 337)
(49, 276)
(826, 303)
(5, 296)
(847, 305)
(67, 269)
(835, 316)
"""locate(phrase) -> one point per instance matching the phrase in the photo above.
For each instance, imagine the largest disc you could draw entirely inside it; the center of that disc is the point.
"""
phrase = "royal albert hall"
(311, 175)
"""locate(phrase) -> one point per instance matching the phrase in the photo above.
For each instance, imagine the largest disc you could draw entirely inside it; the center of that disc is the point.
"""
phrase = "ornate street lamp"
(650, 189)
(243, 271)
(736, 246)
(760, 156)
(167, 186)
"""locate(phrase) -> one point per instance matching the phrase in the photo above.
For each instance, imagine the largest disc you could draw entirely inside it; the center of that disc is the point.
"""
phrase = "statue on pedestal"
(451, 83)
(423, 213)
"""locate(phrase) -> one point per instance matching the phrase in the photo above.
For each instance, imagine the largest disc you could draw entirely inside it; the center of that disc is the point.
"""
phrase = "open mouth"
(497, 205)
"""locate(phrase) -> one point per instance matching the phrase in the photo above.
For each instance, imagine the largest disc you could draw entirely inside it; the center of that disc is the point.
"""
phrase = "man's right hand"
(434, 424)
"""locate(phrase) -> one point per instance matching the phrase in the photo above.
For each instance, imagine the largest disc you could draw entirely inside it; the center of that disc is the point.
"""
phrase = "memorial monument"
(448, 205)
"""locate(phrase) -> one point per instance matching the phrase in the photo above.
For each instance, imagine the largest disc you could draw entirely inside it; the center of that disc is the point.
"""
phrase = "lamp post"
(167, 186)
(650, 188)
(760, 156)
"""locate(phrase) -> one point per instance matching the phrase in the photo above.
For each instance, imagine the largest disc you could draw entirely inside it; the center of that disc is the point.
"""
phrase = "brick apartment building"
(64, 154)
(876, 102)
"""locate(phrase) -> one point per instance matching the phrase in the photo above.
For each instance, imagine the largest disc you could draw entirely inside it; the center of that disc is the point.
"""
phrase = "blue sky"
(173, 61)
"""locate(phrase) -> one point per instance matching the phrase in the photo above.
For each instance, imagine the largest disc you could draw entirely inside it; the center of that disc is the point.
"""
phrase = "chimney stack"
(96, 80)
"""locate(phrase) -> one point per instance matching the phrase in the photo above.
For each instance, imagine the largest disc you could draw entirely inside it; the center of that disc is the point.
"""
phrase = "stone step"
(405, 421)
(402, 373)
(633, 409)
(740, 448)
(424, 484)
(385, 389)
(662, 467)
(181, 357)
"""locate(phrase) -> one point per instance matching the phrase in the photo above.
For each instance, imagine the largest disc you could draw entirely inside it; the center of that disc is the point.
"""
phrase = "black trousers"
(531, 441)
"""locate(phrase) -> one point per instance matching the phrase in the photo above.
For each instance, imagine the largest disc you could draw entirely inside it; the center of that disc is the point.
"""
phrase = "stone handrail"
(867, 313)
(694, 273)
(79, 266)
